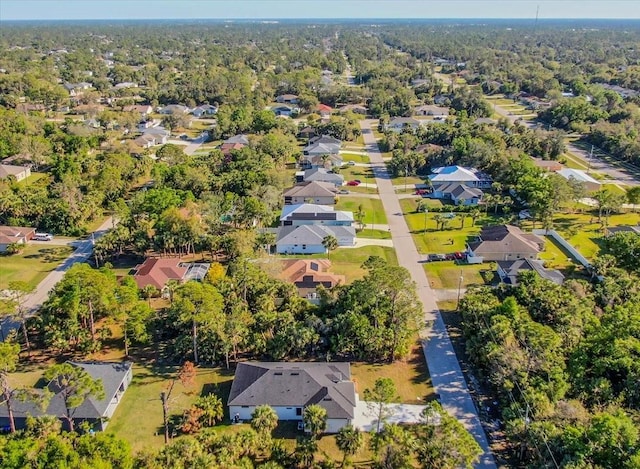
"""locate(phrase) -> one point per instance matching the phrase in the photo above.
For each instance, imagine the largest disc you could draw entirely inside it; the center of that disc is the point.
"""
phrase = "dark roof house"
(508, 271)
(504, 243)
(115, 378)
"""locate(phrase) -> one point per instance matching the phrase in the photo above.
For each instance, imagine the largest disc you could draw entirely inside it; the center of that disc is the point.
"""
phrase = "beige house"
(15, 235)
(321, 193)
(504, 243)
(18, 172)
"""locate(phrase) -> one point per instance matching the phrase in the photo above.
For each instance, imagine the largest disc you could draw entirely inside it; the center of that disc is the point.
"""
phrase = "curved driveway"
(446, 375)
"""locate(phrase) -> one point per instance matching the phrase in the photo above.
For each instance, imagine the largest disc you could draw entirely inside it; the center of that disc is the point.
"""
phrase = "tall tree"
(75, 385)
(378, 399)
(349, 440)
(9, 353)
(20, 291)
(264, 419)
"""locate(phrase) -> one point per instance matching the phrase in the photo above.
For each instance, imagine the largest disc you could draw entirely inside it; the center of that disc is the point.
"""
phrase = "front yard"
(372, 208)
(32, 265)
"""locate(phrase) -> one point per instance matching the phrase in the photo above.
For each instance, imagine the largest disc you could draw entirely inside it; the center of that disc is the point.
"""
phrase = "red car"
(353, 183)
(421, 192)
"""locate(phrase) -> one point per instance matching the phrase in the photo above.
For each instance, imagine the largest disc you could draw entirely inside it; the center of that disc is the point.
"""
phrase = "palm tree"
(349, 440)
(315, 419)
(438, 218)
(149, 291)
(475, 214)
(330, 243)
(264, 419)
(360, 216)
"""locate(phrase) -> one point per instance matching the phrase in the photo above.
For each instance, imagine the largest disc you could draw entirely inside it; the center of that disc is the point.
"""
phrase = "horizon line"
(320, 18)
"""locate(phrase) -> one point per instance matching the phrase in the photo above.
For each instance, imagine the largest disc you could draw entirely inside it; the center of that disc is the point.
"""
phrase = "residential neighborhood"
(320, 241)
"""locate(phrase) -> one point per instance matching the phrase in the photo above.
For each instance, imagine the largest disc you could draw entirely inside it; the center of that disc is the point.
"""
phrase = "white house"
(307, 239)
(314, 214)
(590, 184)
(470, 177)
(398, 124)
(289, 387)
(204, 110)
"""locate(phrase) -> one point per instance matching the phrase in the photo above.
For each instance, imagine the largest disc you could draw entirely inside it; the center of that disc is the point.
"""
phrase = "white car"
(43, 237)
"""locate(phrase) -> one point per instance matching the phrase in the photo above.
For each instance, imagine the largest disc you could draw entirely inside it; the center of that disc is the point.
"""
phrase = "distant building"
(398, 124)
(308, 274)
(15, 235)
(322, 193)
(157, 272)
(432, 110)
(18, 172)
(591, 184)
(470, 177)
(320, 175)
(288, 99)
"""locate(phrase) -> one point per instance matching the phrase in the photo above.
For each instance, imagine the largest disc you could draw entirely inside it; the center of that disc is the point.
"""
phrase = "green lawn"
(446, 274)
(32, 265)
(373, 210)
(138, 418)
(555, 256)
(355, 172)
(361, 189)
(33, 178)
(348, 262)
(615, 189)
(374, 234)
(358, 158)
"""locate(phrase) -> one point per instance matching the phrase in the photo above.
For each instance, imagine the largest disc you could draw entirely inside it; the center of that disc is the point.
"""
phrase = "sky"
(222, 9)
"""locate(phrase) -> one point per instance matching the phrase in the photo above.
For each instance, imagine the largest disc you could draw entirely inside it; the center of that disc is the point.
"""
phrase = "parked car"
(43, 237)
(421, 192)
(351, 163)
(432, 257)
(353, 183)
(451, 256)
(441, 257)
(184, 137)
(344, 191)
(459, 255)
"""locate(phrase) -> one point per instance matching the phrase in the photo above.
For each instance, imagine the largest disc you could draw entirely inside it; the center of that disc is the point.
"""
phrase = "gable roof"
(513, 268)
(312, 234)
(312, 189)
(295, 384)
(433, 110)
(313, 212)
(506, 239)
(325, 139)
(578, 175)
(14, 234)
(322, 174)
(456, 174)
(158, 271)
(7, 170)
(460, 191)
(403, 120)
(112, 374)
(242, 138)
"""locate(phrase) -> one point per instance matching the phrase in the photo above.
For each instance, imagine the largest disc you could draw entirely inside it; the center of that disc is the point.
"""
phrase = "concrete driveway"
(402, 413)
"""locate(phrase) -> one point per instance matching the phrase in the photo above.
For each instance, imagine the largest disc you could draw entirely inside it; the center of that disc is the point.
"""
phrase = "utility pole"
(406, 174)
(459, 288)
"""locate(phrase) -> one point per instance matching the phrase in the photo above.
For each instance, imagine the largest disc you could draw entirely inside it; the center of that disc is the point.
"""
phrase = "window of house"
(298, 410)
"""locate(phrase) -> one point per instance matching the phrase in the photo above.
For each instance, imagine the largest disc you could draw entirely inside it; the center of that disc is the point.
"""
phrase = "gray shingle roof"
(513, 268)
(295, 385)
(506, 239)
(312, 189)
(312, 234)
(112, 376)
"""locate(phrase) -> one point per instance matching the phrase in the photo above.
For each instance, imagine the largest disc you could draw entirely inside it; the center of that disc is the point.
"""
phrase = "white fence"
(565, 244)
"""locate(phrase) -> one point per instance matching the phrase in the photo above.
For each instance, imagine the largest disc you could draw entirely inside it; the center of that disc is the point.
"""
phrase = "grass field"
(32, 265)
(363, 189)
(357, 157)
(555, 256)
(138, 418)
(373, 210)
(446, 274)
(356, 172)
(348, 262)
(374, 234)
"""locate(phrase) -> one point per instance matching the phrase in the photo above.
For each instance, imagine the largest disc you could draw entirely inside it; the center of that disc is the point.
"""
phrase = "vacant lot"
(348, 262)
(372, 208)
(446, 274)
(358, 157)
(32, 265)
(360, 173)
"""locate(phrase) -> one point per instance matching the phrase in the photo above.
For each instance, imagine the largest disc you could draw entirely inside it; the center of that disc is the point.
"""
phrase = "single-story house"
(591, 184)
(227, 148)
(548, 165)
(314, 214)
(398, 124)
(308, 275)
(204, 110)
(432, 110)
(322, 193)
(459, 194)
(158, 271)
(322, 145)
(324, 160)
(307, 132)
(15, 235)
(143, 109)
(125, 85)
(288, 99)
(504, 243)
(470, 177)
(320, 175)
(324, 110)
(283, 110)
(355, 108)
(307, 239)
(18, 172)
(289, 387)
(242, 139)
(508, 271)
(115, 378)
(174, 109)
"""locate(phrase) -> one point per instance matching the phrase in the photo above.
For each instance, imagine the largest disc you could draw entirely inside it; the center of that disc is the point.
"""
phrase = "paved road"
(615, 171)
(83, 251)
(446, 375)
